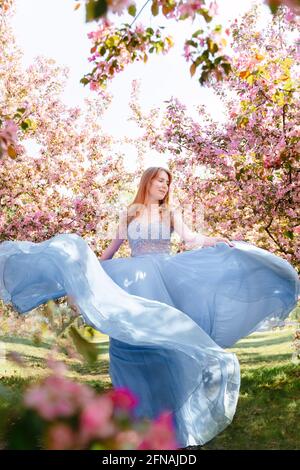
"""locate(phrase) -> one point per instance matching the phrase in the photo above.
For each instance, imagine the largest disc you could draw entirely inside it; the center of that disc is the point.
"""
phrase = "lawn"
(268, 412)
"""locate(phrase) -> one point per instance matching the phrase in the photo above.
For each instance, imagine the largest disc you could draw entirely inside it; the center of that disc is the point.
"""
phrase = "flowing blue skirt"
(169, 317)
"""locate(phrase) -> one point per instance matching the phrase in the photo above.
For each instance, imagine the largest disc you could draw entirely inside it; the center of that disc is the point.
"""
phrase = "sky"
(54, 29)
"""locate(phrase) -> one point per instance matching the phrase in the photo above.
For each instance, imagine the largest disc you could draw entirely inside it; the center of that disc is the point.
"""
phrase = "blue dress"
(170, 317)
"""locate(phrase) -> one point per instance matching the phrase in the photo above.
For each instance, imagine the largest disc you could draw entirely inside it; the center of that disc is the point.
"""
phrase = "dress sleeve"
(192, 239)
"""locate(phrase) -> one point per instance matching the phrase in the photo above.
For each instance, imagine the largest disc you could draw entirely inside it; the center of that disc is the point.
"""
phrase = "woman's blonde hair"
(135, 207)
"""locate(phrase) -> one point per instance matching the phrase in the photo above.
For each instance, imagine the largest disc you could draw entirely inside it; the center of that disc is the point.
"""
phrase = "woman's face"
(159, 186)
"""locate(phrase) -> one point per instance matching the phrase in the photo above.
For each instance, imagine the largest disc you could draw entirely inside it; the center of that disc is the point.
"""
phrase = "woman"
(168, 316)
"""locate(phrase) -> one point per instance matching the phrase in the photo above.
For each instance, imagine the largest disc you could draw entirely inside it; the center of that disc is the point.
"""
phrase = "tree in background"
(252, 191)
(206, 51)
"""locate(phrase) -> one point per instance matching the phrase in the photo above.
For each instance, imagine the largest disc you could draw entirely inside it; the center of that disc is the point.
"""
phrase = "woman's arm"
(194, 239)
(115, 244)
(112, 248)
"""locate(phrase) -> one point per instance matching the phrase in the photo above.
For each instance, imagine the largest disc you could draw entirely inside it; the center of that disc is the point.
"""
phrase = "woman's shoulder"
(127, 214)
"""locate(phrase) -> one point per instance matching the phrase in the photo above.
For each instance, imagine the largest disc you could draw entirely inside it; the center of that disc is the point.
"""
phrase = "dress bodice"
(146, 238)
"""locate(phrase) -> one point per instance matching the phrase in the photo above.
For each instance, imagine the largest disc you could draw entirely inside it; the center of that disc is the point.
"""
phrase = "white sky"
(52, 28)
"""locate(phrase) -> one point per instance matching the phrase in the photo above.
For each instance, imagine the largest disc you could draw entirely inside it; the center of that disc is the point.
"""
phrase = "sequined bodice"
(146, 238)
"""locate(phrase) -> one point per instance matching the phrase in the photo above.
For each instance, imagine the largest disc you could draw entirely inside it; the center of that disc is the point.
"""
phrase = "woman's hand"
(212, 241)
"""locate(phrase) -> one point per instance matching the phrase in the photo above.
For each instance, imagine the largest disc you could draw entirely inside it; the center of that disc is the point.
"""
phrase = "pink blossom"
(57, 367)
(8, 136)
(118, 6)
(94, 85)
(297, 229)
(190, 7)
(160, 435)
(123, 398)
(187, 51)
(60, 436)
(140, 29)
(96, 418)
(290, 15)
(57, 396)
(129, 439)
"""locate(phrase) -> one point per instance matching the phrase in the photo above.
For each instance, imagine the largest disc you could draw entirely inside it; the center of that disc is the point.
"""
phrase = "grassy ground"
(35, 356)
(268, 412)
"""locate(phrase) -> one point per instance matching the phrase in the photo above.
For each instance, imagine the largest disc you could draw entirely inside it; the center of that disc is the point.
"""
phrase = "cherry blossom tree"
(115, 46)
(71, 180)
(252, 189)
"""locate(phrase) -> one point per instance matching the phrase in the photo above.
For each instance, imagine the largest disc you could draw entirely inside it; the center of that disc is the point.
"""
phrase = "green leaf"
(25, 124)
(154, 8)
(11, 152)
(193, 68)
(190, 42)
(203, 78)
(242, 121)
(84, 80)
(159, 47)
(94, 9)
(205, 15)
(212, 46)
(227, 67)
(239, 174)
(200, 59)
(100, 8)
(196, 33)
(205, 54)
(273, 7)
(97, 446)
(110, 42)
(184, 16)
(132, 10)
(87, 349)
(289, 234)
(150, 31)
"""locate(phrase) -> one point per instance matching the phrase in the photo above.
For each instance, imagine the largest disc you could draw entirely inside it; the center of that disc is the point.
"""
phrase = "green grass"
(35, 357)
(268, 412)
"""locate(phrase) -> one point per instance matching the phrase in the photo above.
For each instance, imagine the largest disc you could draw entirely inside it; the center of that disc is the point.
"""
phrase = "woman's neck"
(150, 211)
(150, 204)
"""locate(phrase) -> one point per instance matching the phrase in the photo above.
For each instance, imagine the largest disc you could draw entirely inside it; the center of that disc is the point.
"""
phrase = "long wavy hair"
(136, 206)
